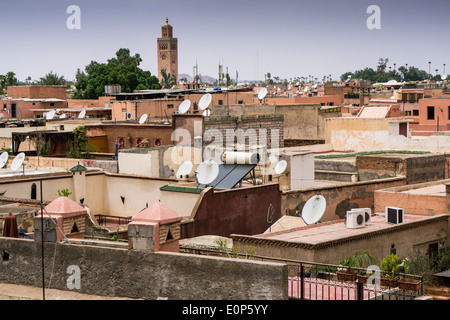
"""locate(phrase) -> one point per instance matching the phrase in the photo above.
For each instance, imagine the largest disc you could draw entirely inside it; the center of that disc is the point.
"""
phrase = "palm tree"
(11, 78)
(52, 79)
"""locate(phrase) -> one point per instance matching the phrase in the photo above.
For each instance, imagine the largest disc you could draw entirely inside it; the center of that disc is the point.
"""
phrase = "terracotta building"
(167, 52)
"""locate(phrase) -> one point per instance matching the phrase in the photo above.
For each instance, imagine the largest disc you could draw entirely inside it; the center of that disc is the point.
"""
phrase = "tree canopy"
(122, 70)
(380, 74)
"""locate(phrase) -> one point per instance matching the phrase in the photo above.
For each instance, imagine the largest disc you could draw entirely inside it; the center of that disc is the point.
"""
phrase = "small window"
(240, 102)
(52, 104)
(170, 106)
(220, 102)
(430, 113)
(415, 112)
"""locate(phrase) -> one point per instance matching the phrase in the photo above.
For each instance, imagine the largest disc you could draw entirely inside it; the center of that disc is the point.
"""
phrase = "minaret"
(167, 52)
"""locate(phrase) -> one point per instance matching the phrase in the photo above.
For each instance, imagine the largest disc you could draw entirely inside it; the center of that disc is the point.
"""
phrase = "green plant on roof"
(64, 192)
(390, 265)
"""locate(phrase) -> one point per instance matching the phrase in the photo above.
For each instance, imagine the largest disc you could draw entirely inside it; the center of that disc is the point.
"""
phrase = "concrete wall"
(340, 198)
(139, 274)
(416, 168)
(413, 202)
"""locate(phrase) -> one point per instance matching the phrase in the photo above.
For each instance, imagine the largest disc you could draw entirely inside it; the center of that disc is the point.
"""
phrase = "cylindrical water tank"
(240, 158)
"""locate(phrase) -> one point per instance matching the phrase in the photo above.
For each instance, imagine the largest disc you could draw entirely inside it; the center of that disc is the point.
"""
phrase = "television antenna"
(314, 209)
(82, 114)
(18, 161)
(262, 94)
(143, 118)
(3, 159)
(184, 170)
(184, 106)
(207, 172)
(205, 101)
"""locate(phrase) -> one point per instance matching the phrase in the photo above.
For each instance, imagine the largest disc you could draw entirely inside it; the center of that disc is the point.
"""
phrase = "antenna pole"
(42, 244)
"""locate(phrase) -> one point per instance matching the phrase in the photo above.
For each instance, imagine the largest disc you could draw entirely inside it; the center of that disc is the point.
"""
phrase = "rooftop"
(328, 232)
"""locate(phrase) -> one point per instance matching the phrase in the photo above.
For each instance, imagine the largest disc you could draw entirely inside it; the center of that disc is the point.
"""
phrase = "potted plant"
(389, 267)
(363, 259)
(408, 283)
(347, 273)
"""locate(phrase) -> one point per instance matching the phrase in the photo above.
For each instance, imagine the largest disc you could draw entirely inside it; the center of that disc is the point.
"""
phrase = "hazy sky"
(287, 38)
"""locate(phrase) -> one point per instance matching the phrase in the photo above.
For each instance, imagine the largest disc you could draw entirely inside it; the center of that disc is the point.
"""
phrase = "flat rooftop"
(332, 231)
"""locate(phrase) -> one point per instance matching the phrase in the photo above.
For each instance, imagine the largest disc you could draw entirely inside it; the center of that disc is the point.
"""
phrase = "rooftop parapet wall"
(140, 274)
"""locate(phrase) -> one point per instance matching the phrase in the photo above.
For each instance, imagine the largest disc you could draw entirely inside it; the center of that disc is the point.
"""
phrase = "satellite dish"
(82, 114)
(280, 167)
(143, 118)
(184, 106)
(18, 161)
(206, 113)
(262, 93)
(184, 169)
(63, 116)
(207, 172)
(314, 209)
(205, 101)
(3, 159)
(57, 110)
(444, 77)
(50, 115)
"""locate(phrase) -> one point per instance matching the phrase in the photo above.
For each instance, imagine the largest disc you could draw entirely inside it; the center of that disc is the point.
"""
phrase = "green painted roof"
(181, 189)
(77, 168)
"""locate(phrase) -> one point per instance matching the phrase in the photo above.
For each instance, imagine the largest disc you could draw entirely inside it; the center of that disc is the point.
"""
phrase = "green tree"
(122, 70)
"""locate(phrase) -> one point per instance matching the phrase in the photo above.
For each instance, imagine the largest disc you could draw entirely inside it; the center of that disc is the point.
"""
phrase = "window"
(415, 112)
(240, 102)
(170, 106)
(448, 112)
(430, 113)
(52, 104)
(220, 102)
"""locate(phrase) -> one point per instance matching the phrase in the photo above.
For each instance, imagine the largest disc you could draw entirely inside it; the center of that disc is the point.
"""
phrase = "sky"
(288, 38)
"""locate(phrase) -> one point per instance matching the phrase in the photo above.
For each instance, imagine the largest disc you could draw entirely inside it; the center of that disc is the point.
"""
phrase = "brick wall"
(253, 128)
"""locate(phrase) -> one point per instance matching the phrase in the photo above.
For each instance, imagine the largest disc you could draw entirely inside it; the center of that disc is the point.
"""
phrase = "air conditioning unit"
(129, 116)
(356, 219)
(394, 215)
(367, 215)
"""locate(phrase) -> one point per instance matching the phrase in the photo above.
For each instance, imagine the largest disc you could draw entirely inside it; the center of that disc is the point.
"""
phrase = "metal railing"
(320, 281)
(104, 220)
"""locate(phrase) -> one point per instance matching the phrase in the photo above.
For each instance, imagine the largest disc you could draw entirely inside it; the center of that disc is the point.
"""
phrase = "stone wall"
(129, 273)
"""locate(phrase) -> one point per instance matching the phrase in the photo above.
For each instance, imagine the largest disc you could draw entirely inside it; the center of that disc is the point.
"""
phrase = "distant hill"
(203, 78)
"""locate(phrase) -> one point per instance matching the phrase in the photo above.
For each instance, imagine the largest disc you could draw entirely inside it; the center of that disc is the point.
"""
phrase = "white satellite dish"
(207, 172)
(3, 159)
(82, 114)
(280, 167)
(206, 113)
(184, 106)
(57, 110)
(185, 169)
(63, 116)
(18, 161)
(444, 77)
(205, 101)
(314, 209)
(262, 93)
(50, 115)
(143, 118)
